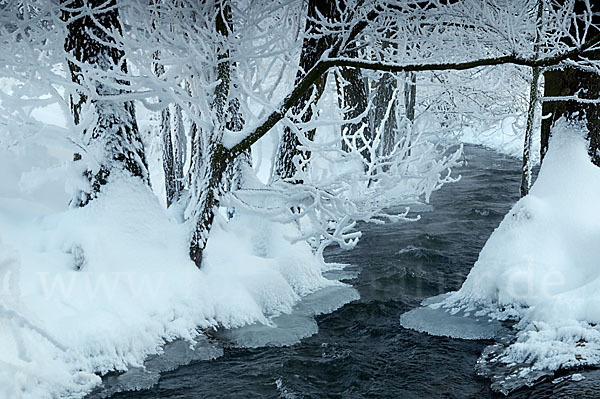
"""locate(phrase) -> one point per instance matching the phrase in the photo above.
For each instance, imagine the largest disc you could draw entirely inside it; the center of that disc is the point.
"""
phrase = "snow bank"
(94, 289)
(544, 256)
(541, 265)
(506, 137)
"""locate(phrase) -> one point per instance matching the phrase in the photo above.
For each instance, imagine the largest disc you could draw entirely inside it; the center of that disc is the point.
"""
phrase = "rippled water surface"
(361, 351)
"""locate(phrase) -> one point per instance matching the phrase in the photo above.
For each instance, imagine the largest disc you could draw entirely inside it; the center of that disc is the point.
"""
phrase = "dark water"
(361, 351)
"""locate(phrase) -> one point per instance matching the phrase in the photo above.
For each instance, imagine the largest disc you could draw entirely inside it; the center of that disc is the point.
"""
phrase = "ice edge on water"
(286, 329)
(289, 329)
(175, 354)
(437, 321)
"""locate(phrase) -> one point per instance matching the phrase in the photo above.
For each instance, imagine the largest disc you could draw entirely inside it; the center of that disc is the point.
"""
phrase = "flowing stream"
(361, 350)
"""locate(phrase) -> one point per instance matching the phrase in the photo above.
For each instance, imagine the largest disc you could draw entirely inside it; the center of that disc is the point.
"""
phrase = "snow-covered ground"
(88, 290)
(505, 137)
(540, 268)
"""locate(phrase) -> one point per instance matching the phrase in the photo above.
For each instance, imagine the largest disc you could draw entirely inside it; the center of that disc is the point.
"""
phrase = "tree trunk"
(572, 81)
(209, 173)
(196, 136)
(410, 101)
(355, 97)
(167, 153)
(167, 142)
(234, 173)
(527, 163)
(384, 94)
(569, 82)
(410, 95)
(210, 188)
(115, 135)
(171, 129)
(526, 170)
(312, 50)
(179, 149)
(173, 139)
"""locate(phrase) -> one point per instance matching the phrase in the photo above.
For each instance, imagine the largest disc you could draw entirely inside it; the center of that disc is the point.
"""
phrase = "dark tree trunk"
(167, 153)
(410, 101)
(210, 188)
(234, 174)
(196, 136)
(410, 95)
(312, 50)
(171, 128)
(384, 94)
(167, 142)
(179, 145)
(356, 99)
(91, 43)
(173, 139)
(571, 81)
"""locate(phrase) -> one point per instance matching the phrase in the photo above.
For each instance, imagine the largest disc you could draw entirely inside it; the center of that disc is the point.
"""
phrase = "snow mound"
(506, 137)
(540, 268)
(91, 290)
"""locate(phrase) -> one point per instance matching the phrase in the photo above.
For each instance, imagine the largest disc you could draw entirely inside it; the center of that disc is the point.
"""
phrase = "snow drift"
(89, 290)
(540, 266)
(505, 137)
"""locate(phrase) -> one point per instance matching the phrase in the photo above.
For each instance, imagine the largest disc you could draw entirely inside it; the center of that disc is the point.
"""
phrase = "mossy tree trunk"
(211, 158)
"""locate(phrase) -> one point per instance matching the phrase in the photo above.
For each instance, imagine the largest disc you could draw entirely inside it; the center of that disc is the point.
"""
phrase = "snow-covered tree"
(224, 74)
(572, 89)
(315, 44)
(98, 67)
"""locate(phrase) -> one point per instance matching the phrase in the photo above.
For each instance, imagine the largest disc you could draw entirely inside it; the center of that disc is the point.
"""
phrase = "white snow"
(540, 266)
(94, 289)
(577, 377)
(506, 137)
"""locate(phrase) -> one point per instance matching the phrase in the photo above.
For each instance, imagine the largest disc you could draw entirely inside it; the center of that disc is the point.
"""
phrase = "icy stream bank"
(539, 268)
